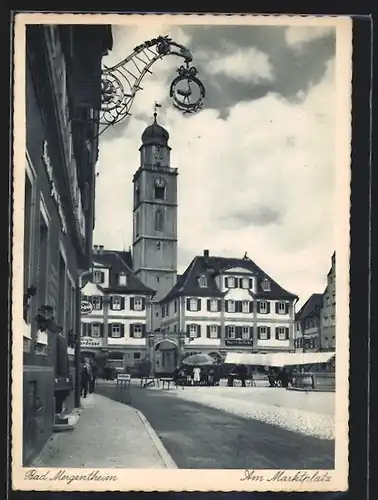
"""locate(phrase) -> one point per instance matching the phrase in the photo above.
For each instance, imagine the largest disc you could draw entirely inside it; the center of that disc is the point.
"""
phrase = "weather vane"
(156, 106)
(121, 82)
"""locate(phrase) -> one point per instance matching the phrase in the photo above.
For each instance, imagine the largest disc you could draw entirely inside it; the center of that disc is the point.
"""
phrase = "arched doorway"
(166, 357)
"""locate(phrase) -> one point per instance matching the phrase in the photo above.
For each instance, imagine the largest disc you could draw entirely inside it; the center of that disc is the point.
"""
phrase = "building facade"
(225, 304)
(155, 216)
(63, 98)
(116, 311)
(328, 311)
(308, 325)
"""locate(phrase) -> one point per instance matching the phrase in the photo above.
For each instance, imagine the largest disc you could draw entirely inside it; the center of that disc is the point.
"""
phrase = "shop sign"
(54, 190)
(90, 342)
(238, 342)
(85, 307)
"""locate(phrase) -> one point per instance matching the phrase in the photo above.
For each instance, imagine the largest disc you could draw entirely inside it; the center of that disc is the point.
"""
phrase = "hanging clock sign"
(187, 91)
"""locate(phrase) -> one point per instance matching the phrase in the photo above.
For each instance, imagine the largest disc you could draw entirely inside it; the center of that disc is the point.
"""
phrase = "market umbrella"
(199, 360)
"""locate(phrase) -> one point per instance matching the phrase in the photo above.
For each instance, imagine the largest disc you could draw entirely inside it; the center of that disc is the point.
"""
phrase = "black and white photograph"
(180, 287)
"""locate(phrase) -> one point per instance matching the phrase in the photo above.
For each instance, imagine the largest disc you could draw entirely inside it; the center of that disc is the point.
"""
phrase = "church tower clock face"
(159, 182)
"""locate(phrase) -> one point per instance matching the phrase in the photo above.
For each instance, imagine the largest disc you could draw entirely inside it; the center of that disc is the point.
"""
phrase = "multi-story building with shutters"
(116, 311)
(308, 325)
(328, 311)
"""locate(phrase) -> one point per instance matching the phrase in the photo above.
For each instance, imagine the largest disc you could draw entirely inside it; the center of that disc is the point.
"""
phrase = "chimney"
(101, 249)
(206, 253)
(95, 249)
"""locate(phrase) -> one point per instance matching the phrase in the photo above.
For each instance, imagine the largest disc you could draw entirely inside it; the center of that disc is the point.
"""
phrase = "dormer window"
(230, 282)
(202, 281)
(98, 277)
(122, 279)
(265, 285)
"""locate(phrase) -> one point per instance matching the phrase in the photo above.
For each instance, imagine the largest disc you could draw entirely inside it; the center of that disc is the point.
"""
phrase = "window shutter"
(226, 282)
(208, 331)
(250, 283)
(109, 329)
(131, 330)
(226, 305)
(143, 330)
(122, 303)
(258, 306)
(143, 304)
(287, 333)
(251, 306)
(277, 307)
(219, 332)
(102, 277)
(218, 305)
(238, 306)
(198, 304)
(251, 332)
(101, 329)
(277, 335)
(198, 331)
(268, 307)
(286, 308)
(208, 304)
(268, 330)
(122, 330)
(187, 330)
(259, 332)
(132, 303)
(238, 332)
(111, 303)
(188, 304)
(239, 282)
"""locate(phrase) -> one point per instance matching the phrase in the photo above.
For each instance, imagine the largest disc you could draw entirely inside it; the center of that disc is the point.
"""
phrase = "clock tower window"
(159, 189)
(159, 220)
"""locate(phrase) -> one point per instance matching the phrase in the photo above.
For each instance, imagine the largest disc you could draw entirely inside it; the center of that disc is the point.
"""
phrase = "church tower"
(155, 214)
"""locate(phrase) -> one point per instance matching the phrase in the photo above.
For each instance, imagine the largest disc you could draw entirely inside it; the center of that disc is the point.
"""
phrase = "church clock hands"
(159, 182)
(121, 82)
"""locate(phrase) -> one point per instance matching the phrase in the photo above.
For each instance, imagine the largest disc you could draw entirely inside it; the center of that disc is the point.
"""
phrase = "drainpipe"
(79, 286)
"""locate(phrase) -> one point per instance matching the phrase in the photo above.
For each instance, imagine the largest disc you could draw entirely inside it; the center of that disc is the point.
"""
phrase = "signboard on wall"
(239, 342)
(91, 342)
(85, 307)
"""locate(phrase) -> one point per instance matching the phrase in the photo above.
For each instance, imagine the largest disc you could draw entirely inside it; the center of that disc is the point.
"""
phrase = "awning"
(279, 359)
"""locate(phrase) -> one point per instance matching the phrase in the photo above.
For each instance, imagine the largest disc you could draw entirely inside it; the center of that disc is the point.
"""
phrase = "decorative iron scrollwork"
(121, 82)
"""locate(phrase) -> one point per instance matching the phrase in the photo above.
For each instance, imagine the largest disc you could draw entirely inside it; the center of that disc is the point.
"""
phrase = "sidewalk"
(108, 435)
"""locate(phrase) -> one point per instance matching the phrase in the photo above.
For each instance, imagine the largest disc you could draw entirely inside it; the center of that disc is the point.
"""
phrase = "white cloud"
(298, 36)
(268, 154)
(243, 64)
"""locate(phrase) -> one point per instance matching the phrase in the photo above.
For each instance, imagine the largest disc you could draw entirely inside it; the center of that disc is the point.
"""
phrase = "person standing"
(92, 382)
(84, 379)
(196, 375)
(243, 374)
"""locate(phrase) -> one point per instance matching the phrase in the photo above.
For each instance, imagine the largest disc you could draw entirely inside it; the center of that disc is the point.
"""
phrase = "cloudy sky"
(256, 165)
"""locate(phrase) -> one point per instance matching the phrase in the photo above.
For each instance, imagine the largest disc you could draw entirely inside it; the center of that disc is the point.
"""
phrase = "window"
(138, 331)
(138, 304)
(175, 305)
(265, 285)
(263, 307)
(158, 245)
(62, 302)
(193, 331)
(281, 333)
(202, 281)
(137, 193)
(122, 279)
(245, 332)
(158, 220)
(230, 306)
(333, 298)
(116, 331)
(213, 331)
(137, 355)
(245, 283)
(263, 332)
(231, 332)
(97, 302)
(96, 330)
(137, 224)
(193, 304)
(327, 300)
(116, 303)
(213, 305)
(159, 189)
(230, 282)
(333, 320)
(98, 277)
(245, 306)
(281, 308)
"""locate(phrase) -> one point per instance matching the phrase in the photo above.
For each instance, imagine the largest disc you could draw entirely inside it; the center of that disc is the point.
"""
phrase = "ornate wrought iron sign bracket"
(121, 82)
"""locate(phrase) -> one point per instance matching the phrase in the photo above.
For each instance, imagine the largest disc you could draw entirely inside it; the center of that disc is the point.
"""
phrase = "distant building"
(225, 304)
(328, 311)
(308, 325)
(116, 311)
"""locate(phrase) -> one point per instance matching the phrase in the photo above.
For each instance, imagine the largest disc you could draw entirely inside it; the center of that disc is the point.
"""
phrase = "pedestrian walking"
(85, 378)
(243, 374)
(196, 375)
(94, 371)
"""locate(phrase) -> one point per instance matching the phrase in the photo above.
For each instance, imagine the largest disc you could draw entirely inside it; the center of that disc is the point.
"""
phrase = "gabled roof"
(114, 261)
(187, 284)
(311, 307)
